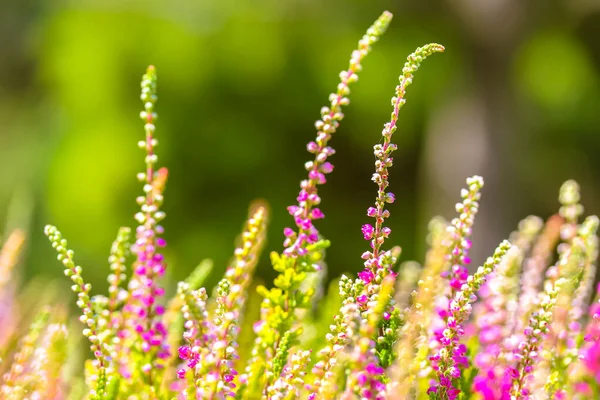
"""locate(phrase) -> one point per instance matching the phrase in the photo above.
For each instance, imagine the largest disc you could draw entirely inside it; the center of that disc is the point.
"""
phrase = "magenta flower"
(367, 231)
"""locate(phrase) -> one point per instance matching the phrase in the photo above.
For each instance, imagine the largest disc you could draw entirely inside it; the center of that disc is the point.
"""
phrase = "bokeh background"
(515, 98)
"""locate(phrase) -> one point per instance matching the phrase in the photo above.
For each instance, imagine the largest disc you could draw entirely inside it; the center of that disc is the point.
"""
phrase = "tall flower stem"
(450, 354)
(149, 264)
(303, 249)
(96, 336)
(528, 349)
(218, 381)
(378, 233)
(304, 213)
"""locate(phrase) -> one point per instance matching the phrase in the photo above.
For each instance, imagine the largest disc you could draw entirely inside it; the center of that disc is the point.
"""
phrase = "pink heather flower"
(366, 276)
(327, 168)
(317, 176)
(367, 231)
(583, 388)
(456, 283)
(362, 379)
(362, 299)
(312, 147)
(288, 232)
(302, 196)
(317, 214)
(373, 369)
(294, 210)
(185, 352)
(482, 386)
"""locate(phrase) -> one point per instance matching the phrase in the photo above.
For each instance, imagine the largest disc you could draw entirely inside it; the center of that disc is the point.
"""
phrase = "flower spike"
(449, 358)
(303, 248)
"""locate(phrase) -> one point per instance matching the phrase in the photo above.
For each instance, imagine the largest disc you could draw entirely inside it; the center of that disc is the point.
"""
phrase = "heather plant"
(525, 324)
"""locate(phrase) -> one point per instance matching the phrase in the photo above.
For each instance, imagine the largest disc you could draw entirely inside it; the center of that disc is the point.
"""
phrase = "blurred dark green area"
(515, 98)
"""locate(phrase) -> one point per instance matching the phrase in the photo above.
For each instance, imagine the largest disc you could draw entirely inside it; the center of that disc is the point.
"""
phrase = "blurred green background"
(515, 98)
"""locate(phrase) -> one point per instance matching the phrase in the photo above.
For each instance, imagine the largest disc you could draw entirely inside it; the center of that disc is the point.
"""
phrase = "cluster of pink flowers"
(142, 306)
(590, 353)
(494, 316)
(398, 332)
(451, 357)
